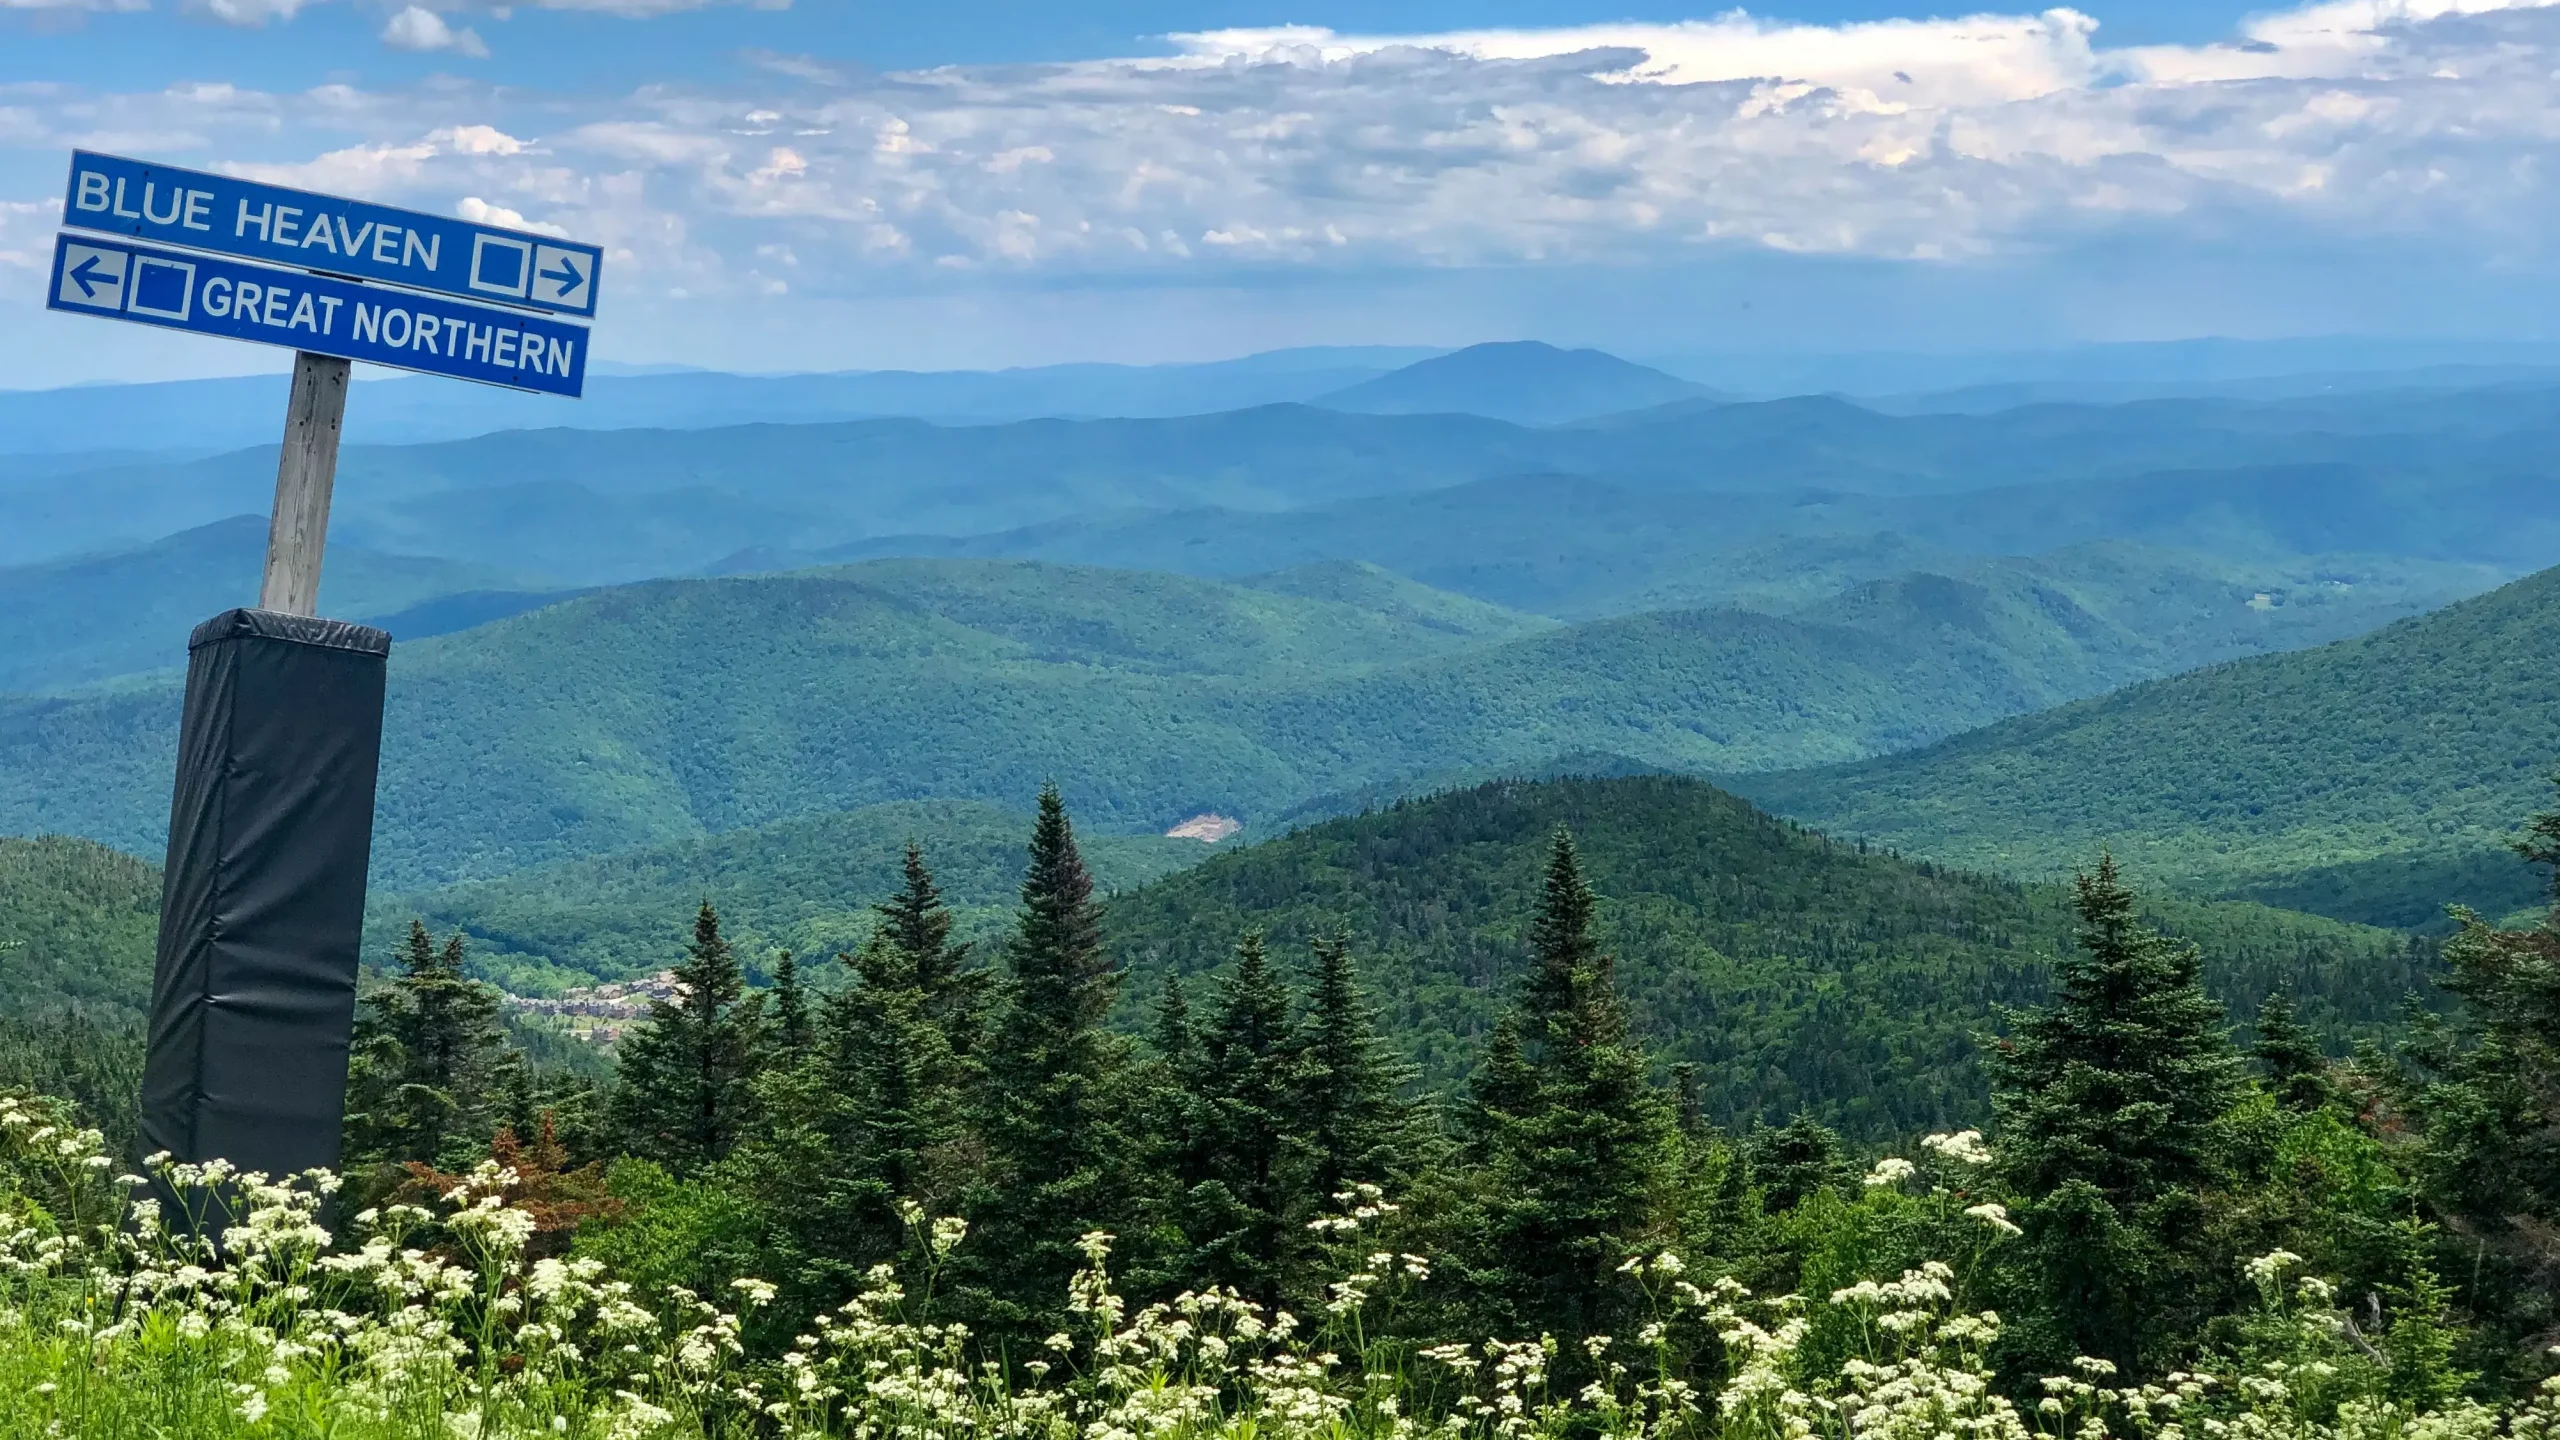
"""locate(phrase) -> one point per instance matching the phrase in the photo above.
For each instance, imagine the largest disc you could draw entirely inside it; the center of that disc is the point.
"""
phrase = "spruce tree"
(897, 1099)
(1248, 1214)
(431, 1059)
(2296, 1069)
(2483, 1088)
(1796, 1161)
(685, 1073)
(918, 923)
(1053, 1112)
(1581, 1164)
(792, 1031)
(876, 1114)
(1350, 1104)
(1174, 1090)
(2106, 1102)
(2119, 1081)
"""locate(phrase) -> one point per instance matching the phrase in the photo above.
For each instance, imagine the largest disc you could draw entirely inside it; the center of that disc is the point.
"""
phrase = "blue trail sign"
(323, 232)
(321, 314)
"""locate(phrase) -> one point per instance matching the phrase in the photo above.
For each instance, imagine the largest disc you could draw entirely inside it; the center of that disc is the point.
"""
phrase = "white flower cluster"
(443, 1323)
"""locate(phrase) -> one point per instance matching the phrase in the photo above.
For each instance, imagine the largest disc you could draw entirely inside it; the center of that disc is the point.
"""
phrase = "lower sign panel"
(208, 295)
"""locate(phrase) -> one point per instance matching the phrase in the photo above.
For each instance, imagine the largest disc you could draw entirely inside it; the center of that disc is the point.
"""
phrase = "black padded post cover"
(262, 905)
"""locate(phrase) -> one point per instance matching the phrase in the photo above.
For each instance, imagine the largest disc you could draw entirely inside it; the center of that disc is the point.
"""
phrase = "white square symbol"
(93, 276)
(500, 266)
(563, 277)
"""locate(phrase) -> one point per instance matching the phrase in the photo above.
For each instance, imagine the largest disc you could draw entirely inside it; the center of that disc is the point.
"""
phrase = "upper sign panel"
(322, 232)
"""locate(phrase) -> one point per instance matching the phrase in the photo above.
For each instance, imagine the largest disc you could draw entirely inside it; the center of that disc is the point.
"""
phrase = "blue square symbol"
(160, 287)
(501, 267)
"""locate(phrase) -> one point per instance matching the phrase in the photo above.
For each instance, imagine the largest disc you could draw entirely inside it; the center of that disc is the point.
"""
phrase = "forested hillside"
(64, 623)
(659, 713)
(803, 884)
(1795, 971)
(2376, 779)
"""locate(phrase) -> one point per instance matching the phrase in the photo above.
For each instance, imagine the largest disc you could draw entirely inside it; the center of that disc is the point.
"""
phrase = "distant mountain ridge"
(68, 622)
(567, 508)
(1525, 381)
(248, 410)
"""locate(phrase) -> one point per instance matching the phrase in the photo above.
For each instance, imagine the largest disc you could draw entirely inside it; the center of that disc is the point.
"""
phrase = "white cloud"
(420, 29)
(249, 14)
(481, 212)
(1942, 142)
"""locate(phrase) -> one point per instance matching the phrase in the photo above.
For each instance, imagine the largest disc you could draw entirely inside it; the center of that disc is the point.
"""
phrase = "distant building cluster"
(602, 1012)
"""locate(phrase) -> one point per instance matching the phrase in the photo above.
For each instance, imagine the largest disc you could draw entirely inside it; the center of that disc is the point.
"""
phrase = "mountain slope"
(2376, 778)
(1795, 971)
(77, 925)
(1519, 380)
(67, 622)
(657, 713)
(804, 884)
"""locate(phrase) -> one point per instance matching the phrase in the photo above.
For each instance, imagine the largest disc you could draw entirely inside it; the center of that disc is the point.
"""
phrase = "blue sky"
(824, 185)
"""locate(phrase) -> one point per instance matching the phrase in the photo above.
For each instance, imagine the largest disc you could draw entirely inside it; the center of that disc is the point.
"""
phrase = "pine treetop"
(2296, 1067)
(1061, 975)
(2117, 1081)
(1561, 942)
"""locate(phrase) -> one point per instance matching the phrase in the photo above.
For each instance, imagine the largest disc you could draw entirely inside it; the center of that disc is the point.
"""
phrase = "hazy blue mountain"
(1577, 548)
(1522, 380)
(659, 713)
(67, 622)
(2010, 395)
(2186, 366)
(249, 410)
(462, 610)
(571, 507)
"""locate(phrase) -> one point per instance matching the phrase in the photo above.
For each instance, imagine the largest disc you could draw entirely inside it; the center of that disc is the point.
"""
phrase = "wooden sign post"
(306, 472)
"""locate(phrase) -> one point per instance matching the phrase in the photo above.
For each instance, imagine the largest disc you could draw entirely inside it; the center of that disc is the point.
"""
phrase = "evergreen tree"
(685, 1073)
(1350, 1104)
(954, 991)
(431, 1059)
(2483, 1089)
(1248, 1213)
(1796, 1161)
(2297, 1071)
(1581, 1164)
(2107, 1102)
(2118, 1083)
(1053, 1115)
(1174, 1090)
(875, 1115)
(899, 1097)
(792, 1030)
